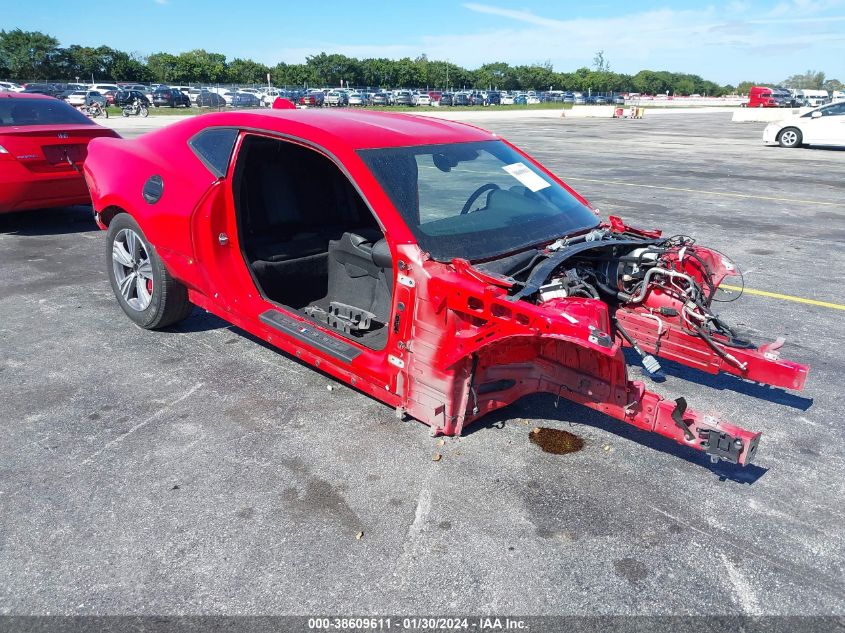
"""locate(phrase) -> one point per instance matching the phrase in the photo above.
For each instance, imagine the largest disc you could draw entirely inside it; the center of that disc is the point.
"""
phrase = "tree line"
(812, 79)
(32, 56)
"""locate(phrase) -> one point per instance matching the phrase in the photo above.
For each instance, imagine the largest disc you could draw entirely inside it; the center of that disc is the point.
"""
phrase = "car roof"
(357, 130)
(24, 95)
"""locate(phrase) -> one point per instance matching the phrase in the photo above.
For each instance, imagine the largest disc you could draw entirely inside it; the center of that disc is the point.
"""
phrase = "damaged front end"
(556, 320)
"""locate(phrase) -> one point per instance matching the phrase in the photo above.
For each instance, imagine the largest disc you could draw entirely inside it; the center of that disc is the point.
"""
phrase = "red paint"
(761, 97)
(34, 170)
(283, 104)
(459, 348)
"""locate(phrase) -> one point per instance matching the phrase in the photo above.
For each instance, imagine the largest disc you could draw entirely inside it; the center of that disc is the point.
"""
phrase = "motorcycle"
(136, 108)
(95, 109)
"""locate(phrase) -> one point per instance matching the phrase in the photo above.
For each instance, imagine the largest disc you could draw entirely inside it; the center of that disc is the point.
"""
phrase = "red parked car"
(428, 263)
(43, 144)
(315, 99)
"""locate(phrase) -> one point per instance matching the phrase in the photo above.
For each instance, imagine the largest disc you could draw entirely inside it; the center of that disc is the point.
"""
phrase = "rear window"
(214, 148)
(39, 112)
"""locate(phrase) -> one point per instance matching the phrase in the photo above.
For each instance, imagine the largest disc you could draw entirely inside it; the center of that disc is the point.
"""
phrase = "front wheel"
(144, 288)
(105, 113)
(790, 137)
(144, 111)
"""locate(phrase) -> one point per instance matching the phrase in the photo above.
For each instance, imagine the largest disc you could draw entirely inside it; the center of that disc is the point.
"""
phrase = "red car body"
(43, 145)
(461, 342)
(312, 99)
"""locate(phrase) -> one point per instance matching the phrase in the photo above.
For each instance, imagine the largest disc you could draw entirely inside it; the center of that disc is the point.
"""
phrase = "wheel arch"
(104, 218)
(178, 265)
(798, 131)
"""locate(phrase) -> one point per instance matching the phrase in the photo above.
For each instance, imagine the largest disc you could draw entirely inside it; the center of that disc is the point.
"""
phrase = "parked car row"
(160, 95)
(342, 97)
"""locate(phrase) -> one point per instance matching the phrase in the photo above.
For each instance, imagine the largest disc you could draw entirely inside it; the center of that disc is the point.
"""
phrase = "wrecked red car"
(428, 263)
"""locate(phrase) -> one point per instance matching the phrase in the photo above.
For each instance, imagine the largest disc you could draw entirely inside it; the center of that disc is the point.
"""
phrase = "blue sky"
(726, 42)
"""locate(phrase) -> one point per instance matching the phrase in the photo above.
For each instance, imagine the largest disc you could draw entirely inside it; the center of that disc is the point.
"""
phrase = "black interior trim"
(303, 331)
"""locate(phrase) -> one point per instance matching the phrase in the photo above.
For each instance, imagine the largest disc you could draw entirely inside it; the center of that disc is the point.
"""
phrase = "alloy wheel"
(133, 270)
(789, 137)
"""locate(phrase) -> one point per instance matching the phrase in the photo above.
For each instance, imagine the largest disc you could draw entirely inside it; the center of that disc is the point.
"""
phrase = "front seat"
(361, 272)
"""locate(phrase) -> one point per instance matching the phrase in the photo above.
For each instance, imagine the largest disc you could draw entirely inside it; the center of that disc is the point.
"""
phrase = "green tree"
(498, 75)
(407, 73)
(376, 72)
(422, 70)
(131, 67)
(600, 63)
(246, 71)
(448, 76)
(293, 75)
(162, 67)
(535, 77)
(201, 66)
(28, 54)
(652, 82)
(684, 86)
(811, 79)
(833, 84)
(330, 69)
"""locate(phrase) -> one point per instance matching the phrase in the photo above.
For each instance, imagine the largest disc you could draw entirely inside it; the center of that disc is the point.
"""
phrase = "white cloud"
(520, 16)
(716, 42)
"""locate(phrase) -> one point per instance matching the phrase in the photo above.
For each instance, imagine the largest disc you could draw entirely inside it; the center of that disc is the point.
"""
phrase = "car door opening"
(310, 240)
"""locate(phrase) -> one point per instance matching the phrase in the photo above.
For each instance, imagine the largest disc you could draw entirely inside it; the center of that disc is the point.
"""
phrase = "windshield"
(475, 200)
(40, 112)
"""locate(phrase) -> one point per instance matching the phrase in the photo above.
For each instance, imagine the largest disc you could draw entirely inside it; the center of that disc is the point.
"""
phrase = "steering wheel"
(490, 186)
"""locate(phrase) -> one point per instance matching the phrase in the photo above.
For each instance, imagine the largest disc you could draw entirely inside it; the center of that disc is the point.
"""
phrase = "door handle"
(223, 239)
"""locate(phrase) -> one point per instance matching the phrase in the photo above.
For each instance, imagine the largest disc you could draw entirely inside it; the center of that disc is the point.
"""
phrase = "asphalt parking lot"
(198, 471)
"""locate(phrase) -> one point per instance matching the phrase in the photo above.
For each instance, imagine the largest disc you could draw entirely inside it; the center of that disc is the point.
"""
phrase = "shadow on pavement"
(541, 407)
(43, 222)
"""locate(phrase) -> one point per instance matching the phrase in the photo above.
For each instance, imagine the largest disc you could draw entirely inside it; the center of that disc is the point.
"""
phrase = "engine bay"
(660, 293)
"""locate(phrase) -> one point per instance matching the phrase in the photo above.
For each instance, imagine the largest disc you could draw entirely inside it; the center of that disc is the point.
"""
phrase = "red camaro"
(430, 264)
(43, 144)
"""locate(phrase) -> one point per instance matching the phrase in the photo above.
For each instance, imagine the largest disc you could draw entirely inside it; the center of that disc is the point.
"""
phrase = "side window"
(837, 109)
(214, 148)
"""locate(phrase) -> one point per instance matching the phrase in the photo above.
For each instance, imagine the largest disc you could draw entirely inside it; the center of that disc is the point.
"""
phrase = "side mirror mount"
(816, 115)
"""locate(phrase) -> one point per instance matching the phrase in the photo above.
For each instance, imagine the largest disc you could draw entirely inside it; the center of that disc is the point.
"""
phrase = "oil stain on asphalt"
(555, 441)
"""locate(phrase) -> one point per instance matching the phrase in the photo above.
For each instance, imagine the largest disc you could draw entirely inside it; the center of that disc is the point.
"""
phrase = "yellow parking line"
(775, 295)
(729, 194)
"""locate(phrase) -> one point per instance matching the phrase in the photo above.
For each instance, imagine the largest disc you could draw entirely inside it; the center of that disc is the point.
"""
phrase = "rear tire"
(145, 290)
(790, 137)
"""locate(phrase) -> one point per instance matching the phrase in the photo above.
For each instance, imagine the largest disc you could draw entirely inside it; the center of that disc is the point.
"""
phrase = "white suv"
(104, 88)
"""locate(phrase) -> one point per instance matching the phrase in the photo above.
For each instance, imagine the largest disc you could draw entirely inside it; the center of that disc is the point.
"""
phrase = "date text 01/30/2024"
(417, 624)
